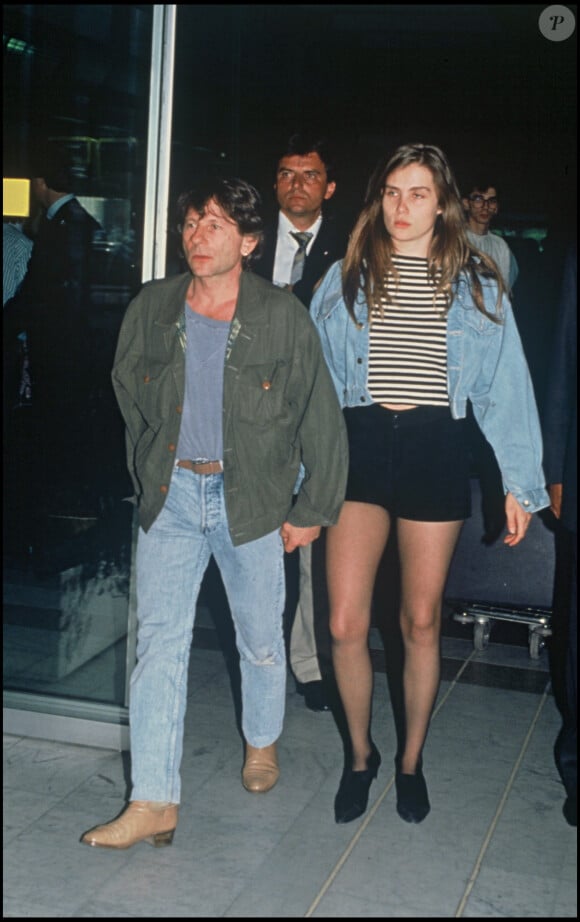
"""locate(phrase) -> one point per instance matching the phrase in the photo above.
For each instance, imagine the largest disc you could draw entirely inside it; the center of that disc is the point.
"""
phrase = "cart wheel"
(481, 632)
(536, 644)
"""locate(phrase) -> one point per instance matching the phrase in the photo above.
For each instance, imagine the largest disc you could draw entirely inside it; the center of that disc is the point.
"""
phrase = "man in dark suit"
(53, 307)
(299, 246)
(304, 182)
(561, 468)
(53, 302)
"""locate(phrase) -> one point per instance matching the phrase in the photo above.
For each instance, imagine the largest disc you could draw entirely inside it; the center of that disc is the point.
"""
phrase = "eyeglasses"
(480, 200)
(309, 177)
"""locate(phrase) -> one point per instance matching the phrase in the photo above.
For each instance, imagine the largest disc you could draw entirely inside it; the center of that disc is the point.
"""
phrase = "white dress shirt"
(287, 246)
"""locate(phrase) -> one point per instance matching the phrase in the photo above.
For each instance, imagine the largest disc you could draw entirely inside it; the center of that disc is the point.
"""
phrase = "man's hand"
(517, 521)
(294, 537)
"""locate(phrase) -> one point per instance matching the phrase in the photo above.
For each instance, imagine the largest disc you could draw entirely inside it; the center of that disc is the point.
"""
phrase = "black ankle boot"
(353, 793)
(412, 798)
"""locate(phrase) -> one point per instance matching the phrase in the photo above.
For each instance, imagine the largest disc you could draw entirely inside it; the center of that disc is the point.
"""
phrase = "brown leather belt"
(206, 467)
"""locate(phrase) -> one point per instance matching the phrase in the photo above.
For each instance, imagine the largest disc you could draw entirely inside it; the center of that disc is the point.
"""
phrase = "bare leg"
(426, 549)
(354, 547)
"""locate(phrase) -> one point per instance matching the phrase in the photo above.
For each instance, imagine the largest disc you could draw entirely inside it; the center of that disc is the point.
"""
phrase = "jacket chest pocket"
(261, 395)
(155, 385)
(478, 323)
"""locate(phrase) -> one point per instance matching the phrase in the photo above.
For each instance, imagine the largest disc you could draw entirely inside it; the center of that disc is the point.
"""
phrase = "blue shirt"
(17, 248)
(200, 435)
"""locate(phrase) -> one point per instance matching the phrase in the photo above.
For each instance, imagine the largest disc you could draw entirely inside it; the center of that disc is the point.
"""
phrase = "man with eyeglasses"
(481, 207)
(300, 244)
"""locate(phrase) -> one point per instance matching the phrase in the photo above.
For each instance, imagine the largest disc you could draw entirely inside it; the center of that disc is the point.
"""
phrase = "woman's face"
(410, 209)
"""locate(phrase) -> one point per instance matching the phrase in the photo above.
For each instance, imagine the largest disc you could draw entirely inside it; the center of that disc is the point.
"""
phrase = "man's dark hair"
(481, 183)
(301, 143)
(240, 201)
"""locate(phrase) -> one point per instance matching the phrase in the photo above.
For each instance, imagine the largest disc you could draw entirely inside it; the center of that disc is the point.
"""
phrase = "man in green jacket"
(236, 447)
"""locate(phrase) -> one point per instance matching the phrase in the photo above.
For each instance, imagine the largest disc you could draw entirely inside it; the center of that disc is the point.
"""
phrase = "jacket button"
(266, 385)
(178, 409)
(363, 400)
(526, 502)
(171, 447)
(163, 488)
(146, 379)
(359, 361)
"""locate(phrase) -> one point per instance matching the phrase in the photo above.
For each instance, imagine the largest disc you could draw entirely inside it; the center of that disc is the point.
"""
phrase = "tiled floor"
(494, 844)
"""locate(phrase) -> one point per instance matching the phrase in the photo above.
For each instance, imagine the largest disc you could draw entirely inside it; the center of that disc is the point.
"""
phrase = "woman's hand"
(555, 493)
(517, 521)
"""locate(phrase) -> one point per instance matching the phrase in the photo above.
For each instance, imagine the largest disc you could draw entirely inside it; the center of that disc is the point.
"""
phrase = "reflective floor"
(494, 845)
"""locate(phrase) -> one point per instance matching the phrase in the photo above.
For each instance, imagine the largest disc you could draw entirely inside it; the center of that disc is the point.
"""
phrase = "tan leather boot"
(260, 772)
(142, 820)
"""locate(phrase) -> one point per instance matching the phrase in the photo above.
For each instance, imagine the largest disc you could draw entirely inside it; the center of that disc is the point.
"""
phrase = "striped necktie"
(303, 238)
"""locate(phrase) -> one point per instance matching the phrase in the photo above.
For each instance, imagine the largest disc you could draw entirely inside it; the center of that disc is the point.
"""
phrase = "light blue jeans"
(171, 560)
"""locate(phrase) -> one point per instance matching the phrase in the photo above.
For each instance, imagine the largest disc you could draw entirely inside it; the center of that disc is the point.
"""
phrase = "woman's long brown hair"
(368, 259)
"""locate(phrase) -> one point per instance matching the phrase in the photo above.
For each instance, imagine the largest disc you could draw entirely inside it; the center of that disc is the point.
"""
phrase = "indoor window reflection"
(76, 83)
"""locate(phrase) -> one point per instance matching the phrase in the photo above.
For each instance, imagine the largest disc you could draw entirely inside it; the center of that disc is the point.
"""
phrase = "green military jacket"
(285, 448)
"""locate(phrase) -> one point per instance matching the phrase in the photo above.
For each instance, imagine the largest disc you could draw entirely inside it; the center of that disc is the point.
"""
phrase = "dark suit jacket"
(561, 407)
(330, 245)
(53, 304)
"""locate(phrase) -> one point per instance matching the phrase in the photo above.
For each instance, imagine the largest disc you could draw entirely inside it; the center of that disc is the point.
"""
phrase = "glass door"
(87, 91)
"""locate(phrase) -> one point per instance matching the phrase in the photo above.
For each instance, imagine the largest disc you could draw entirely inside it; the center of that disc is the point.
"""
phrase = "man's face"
(481, 206)
(212, 242)
(301, 187)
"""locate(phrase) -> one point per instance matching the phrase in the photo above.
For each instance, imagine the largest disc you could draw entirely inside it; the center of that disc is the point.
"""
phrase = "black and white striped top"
(408, 347)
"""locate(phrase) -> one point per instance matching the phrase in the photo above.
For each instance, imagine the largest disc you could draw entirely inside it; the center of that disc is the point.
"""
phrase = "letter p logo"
(557, 23)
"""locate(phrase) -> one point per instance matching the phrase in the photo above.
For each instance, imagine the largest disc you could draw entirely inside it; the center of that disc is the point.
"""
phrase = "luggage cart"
(482, 615)
(491, 583)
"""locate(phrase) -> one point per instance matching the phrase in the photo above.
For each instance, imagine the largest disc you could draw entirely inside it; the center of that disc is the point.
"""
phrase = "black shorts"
(415, 463)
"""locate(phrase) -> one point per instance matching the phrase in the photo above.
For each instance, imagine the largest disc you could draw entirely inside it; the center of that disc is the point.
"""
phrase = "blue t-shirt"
(201, 436)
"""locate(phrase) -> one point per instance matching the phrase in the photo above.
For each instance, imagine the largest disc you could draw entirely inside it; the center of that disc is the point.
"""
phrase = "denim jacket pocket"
(482, 325)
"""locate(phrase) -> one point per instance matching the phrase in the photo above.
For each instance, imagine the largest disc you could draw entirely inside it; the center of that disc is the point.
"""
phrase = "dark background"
(478, 80)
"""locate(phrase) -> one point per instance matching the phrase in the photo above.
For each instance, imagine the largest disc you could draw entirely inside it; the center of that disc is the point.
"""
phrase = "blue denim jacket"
(485, 364)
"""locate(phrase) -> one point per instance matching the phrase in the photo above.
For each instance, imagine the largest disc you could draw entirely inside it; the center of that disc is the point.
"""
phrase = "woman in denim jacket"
(414, 322)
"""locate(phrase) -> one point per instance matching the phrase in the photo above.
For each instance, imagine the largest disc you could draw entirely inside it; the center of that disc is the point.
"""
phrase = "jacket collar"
(172, 293)
(250, 307)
